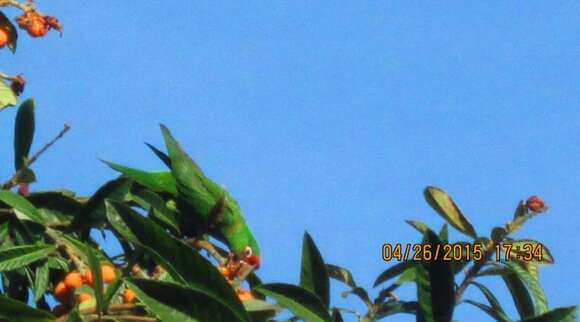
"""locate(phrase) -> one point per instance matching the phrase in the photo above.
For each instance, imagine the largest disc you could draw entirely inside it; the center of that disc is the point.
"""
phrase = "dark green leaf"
(522, 298)
(41, 281)
(23, 133)
(562, 314)
(435, 284)
(440, 201)
(340, 274)
(393, 271)
(313, 274)
(395, 307)
(23, 206)
(540, 301)
(161, 155)
(20, 256)
(490, 298)
(174, 303)
(182, 263)
(95, 267)
(74, 316)
(16, 311)
(156, 205)
(93, 212)
(298, 300)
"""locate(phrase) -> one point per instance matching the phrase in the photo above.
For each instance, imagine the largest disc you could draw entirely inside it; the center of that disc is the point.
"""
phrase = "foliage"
(171, 268)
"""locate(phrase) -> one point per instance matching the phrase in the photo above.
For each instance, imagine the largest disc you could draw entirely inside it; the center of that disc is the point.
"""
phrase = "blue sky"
(326, 117)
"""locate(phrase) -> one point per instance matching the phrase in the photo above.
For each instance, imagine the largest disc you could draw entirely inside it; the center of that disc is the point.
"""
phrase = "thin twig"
(209, 247)
(27, 163)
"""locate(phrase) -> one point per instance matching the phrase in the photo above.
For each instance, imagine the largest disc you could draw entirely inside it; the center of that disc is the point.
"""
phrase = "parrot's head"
(249, 251)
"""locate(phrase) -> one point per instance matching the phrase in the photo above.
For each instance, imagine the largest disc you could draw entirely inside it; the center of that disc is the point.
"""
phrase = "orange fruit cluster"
(128, 296)
(65, 289)
(36, 24)
(230, 272)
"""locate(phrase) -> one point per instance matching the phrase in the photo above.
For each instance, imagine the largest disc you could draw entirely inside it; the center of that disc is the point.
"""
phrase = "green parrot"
(207, 203)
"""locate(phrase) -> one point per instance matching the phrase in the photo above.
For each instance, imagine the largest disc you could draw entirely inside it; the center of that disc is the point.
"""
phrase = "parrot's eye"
(248, 251)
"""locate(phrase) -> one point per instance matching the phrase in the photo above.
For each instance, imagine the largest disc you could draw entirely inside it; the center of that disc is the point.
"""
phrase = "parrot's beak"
(253, 260)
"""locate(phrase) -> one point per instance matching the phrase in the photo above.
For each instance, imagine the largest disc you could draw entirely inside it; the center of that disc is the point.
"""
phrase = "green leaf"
(154, 181)
(7, 96)
(160, 154)
(495, 314)
(41, 281)
(440, 201)
(418, 225)
(435, 284)
(16, 311)
(533, 285)
(74, 316)
(313, 274)
(7, 25)
(23, 133)
(20, 256)
(175, 303)
(340, 274)
(490, 297)
(21, 205)
(520, 295)
(298, 300)
(157, 207)
(182, 263)
(95, 267)
(93, 212)
(562, 314)
(395, 307)
(393, 271)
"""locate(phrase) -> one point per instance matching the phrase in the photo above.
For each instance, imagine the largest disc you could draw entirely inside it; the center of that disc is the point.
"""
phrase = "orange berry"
(62, 292)
(84, 297)
(3, 37)
(88, 278)
(108, 273)
(73, 280)
(128, 296)
(59, 310)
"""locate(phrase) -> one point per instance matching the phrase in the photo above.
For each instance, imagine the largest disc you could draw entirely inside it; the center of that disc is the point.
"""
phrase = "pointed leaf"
(440, 201)
(313, 274)
(175, 303)
(161, 155)
(490, 298)
(562, 314)
(395, 307)
(20, 256)
(340, 274)
(41, 281)
(393, 271)
(16, 311)
(181, 262)
(435, 284)
(298, 300)
(520, 295)
(23, 206)
(540, 301)
(23, 132)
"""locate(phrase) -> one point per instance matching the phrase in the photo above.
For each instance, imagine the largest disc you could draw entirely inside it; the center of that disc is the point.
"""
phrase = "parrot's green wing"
(161, 181)
(205, 196)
